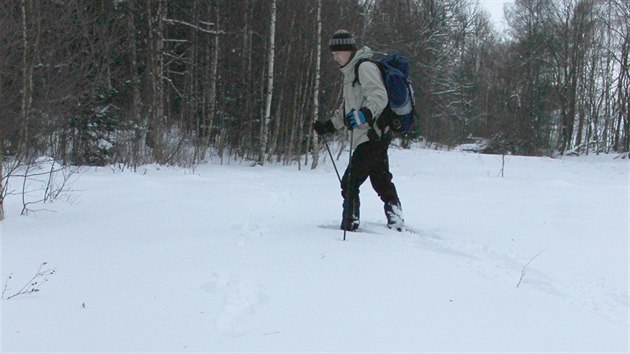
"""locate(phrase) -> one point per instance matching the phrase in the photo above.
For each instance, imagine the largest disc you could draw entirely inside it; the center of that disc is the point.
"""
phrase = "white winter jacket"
(369, 92)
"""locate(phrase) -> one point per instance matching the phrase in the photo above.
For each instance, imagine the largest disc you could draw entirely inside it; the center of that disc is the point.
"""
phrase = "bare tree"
(574, 28)
(211, 100)
(622, 106)
(1, 182)
(266, 122)
(2, 30)
(27, 75)
(135, 111)
(143, 81)
(156, 137)
(318, 61)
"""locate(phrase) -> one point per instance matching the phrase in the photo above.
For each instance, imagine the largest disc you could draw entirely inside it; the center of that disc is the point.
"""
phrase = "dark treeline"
(137, 81)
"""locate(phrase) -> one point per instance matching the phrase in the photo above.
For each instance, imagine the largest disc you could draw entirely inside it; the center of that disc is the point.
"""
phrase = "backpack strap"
(356, 70)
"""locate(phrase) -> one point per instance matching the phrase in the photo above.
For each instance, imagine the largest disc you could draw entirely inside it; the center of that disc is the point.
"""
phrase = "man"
(363, 103)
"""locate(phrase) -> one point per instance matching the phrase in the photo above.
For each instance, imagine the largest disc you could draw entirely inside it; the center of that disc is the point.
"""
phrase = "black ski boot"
(394, 214)
(350, 218)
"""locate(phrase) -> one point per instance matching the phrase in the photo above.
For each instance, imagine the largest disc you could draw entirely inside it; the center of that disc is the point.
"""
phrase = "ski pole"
(332, 159)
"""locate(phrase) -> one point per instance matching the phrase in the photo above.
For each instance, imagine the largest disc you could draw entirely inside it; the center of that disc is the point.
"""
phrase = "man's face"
(342, 58)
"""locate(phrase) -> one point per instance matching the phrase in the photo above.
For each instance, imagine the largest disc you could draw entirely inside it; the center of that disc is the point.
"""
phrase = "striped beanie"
(342, 41)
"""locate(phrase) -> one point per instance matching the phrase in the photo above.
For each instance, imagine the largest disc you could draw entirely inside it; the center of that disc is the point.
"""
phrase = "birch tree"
(211, 100)
(266, 122)
(318, 61)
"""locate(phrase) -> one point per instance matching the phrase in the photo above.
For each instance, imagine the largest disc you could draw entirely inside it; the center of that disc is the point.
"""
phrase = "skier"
(363, 102)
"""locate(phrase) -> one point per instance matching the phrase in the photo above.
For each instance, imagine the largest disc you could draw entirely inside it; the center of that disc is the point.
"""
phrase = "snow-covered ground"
(233, 258)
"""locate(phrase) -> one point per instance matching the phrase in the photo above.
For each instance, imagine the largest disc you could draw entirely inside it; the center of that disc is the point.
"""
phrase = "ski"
(372, 228)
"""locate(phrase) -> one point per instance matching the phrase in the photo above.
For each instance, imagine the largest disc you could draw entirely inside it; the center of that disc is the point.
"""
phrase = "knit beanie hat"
(342, 41)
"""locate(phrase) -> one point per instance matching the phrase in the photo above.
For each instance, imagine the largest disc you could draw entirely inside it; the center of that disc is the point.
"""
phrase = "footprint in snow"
(241, 295)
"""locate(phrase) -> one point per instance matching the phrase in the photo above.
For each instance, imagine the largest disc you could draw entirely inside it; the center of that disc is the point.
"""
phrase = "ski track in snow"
(509, 267)
(506, 267)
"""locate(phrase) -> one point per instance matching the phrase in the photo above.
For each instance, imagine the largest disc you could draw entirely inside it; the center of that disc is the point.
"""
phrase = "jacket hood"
(348, 69)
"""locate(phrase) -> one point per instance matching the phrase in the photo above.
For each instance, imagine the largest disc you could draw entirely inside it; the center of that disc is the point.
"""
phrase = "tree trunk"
(246, 126)
(1, 180)
(156, 123)
(27, 85)
(282, 121)
(318, 61)
(1, 139)
(305, 100)
(212, 95)
(136, 154)
(622, 128)
(266, 122)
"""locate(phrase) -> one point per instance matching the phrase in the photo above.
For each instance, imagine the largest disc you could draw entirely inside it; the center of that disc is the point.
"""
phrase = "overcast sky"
(495, 8)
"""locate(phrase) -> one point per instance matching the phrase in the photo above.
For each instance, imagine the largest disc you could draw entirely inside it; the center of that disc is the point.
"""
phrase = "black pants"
(368, 160)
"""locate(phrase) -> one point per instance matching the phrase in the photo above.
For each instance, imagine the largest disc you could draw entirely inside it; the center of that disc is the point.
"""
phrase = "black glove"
(324, 127)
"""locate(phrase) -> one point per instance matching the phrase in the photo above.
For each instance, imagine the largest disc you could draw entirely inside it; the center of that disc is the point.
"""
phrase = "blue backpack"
(400, 111)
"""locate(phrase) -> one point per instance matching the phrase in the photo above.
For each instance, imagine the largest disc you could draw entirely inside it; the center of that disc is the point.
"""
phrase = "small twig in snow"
(6, 284)
(35, 283)
(525, 268)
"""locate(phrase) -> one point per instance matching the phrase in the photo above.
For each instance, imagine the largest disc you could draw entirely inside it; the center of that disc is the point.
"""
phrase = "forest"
(132, 82)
